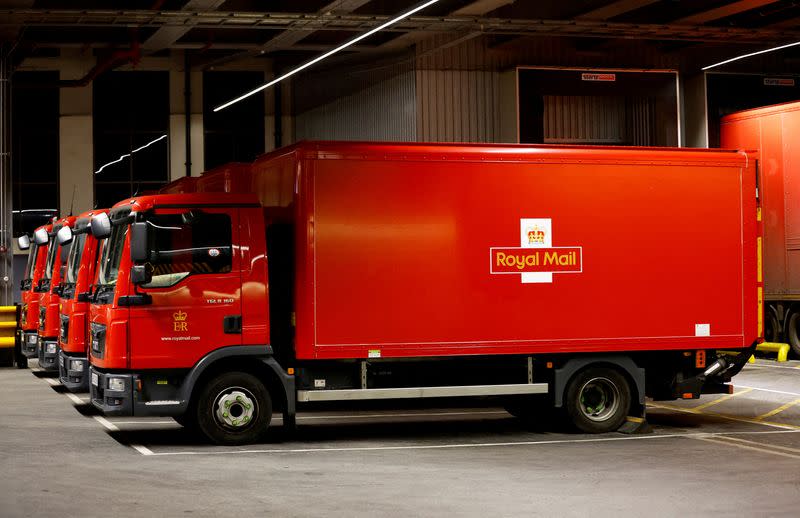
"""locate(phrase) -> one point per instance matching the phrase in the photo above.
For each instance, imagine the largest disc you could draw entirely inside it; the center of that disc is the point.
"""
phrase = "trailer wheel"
(597, 400)
(234, 408)
(792, 331)
(771, 333)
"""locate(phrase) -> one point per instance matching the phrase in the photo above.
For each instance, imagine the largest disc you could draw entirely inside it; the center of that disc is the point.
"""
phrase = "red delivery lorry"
(591, 276)
(49, 319)
(73, 362)
(30, 288)
(773, 132)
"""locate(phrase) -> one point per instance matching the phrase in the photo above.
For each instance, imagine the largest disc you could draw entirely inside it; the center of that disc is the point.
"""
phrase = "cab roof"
(210, 199)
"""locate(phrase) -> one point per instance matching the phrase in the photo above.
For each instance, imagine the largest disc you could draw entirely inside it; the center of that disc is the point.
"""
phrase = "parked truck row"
(586, 278)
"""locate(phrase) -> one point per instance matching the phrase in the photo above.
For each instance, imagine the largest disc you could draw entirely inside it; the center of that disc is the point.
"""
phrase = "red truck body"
(773, 132)
(421, 263)
(30, 295)
(81, 272)
(49, 314)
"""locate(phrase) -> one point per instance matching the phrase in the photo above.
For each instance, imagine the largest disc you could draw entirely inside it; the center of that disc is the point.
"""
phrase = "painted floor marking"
(51, 381)
(746, 447)
(461, 445)
(773, 446)
(75, 399)
(143, 450)
(108, 425)
(777, 410)
(726, 416)
(773, 391)
(721, 399)
(766, 366)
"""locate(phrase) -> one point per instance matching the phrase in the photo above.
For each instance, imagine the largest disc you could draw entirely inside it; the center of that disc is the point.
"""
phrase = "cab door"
(192, 305)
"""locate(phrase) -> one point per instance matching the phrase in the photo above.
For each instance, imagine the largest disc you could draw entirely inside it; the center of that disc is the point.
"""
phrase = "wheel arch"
(619, 362)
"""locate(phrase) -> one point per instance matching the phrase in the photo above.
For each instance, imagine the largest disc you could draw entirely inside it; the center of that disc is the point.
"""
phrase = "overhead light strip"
(327, 54)
(126, 155)
(743, 56)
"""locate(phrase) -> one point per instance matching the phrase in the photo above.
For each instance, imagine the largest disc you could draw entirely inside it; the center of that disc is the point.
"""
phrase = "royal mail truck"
(76, 289)
(30, 288)
(590, 277)
(773, 132)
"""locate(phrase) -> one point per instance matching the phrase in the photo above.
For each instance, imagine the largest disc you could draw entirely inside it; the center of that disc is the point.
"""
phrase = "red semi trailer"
(73, 362)
(773, 132)
(30, 288)
(592, 276)
(50, 285)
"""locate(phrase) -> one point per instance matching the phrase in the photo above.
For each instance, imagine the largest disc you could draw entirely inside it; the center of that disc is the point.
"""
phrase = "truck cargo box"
(427, 250)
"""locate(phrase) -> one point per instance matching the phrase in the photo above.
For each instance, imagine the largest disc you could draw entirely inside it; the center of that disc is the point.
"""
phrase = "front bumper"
(111, 402)
(30, 344)
(75, 380)
(48, 354)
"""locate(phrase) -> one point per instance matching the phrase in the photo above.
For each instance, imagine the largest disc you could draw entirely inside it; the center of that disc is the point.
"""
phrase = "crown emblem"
(535, 235)
(179, 316)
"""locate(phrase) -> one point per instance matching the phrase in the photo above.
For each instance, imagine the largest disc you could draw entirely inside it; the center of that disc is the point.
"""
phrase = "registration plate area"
(94, 379)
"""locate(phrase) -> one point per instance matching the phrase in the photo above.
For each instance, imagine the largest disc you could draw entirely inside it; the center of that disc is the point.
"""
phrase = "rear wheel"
(234, 408)
(792, 331)
(771, 333)
(597, 400)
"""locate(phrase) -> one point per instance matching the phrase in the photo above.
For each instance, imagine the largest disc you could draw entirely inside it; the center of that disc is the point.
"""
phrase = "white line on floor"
(746, 447)
(143, 450)
(453, 446)
(143, 422)
(770, 390)
(75, 399)
(111, 427)
(51, 381)
(766, 366)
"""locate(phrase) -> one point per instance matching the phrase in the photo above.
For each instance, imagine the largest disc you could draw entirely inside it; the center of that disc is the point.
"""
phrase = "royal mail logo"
(179, 321)
(536, 259)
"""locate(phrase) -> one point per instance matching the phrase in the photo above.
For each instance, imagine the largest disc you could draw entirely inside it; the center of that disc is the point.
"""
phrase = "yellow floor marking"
(721, 399)
(773, 446)
(728, 417)
(745, 447)
(777, 410)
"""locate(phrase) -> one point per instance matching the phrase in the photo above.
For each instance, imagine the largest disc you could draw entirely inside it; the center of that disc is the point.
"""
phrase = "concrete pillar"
(694, 110)
(177, 120)
(75, 137)
(6, 218)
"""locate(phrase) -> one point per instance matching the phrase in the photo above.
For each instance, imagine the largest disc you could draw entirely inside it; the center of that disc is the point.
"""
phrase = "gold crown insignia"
(535, 235)
(179, 316)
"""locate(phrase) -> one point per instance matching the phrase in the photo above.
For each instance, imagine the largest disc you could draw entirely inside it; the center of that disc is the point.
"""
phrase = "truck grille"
(98, 340)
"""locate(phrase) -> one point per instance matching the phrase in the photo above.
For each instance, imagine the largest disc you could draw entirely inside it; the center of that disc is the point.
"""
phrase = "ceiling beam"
(614, 9)
(165, 37)
(722, 12)
(476, 8)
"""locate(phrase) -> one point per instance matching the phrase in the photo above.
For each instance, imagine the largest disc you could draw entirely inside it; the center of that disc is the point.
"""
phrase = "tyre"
(793, 331)
(771, 331)
(233, 408)
(597, 400)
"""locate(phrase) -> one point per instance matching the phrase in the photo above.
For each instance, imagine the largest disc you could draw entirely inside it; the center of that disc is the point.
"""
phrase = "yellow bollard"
(775, 347)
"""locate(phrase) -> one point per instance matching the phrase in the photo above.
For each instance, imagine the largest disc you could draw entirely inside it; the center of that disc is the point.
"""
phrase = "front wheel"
(598, 400)
(234, 408)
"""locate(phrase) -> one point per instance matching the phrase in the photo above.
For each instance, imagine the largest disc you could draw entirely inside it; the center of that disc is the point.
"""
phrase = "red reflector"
(730, 389)
(687, 395)
(700, 359)
(139, 385)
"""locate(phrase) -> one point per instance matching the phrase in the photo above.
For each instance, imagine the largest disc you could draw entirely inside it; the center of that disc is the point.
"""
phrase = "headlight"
(32, 339)
(116, 383)
(51, 347)
(76, 365)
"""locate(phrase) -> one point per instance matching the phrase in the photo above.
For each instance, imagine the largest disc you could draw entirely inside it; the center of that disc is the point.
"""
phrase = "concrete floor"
(723, 455)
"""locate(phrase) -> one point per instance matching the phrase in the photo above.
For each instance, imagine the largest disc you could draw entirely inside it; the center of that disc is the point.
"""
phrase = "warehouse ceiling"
(290, 31)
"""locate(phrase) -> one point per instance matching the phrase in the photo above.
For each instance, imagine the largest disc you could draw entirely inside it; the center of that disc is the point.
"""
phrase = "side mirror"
(84, 296)
(64, 235)
(101, 226)
(141, 274)
(40, 237)
(24, 242)
(139, 250)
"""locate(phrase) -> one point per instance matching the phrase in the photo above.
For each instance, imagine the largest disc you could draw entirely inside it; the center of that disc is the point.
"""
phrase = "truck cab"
(73, 362)
(181, 290)
(30, 292)
(50, 285)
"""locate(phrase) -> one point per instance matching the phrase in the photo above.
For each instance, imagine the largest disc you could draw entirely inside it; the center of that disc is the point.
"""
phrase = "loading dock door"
(634, 108)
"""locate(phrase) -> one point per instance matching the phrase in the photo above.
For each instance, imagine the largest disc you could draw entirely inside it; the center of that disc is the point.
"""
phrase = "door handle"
(232, 324)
